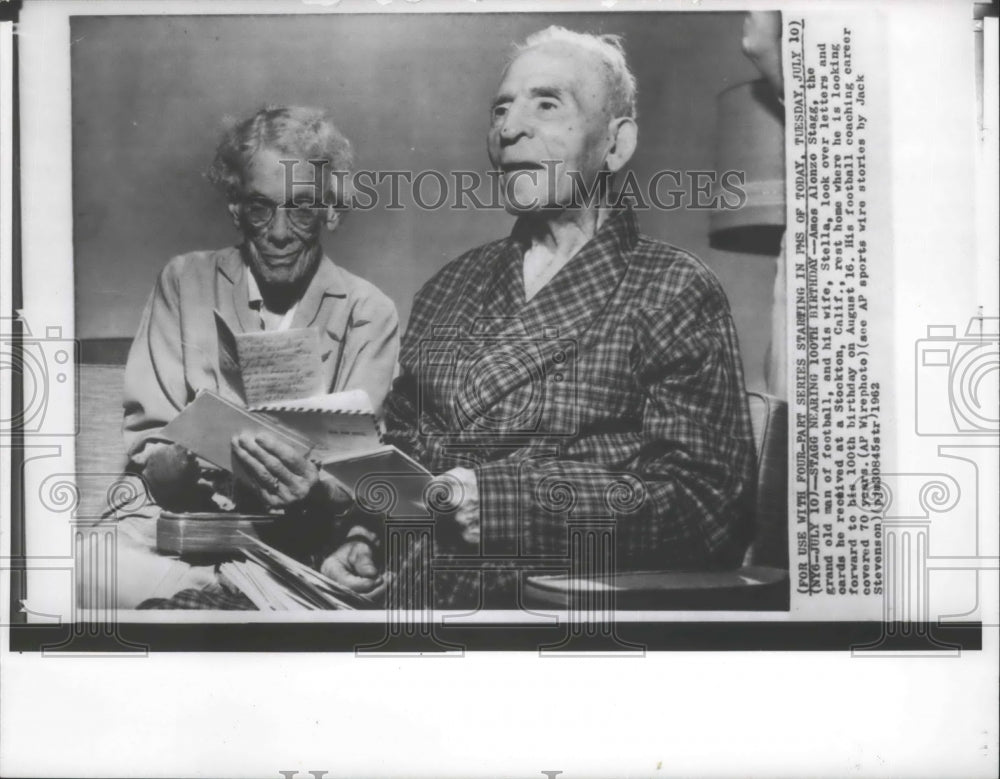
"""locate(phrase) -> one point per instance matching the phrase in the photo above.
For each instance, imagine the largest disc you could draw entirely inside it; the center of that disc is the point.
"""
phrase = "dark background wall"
(412, 93)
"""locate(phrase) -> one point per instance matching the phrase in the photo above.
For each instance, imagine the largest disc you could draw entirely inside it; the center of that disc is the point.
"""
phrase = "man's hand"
(171, 473)
(353, 566)
(457, 493)
(282, 477)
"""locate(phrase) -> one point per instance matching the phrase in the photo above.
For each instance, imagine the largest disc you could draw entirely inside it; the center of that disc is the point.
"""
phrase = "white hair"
(611, 51)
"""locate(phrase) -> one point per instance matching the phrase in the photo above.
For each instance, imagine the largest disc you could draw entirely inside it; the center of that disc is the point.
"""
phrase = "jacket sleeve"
(155, 386)
(371, 348)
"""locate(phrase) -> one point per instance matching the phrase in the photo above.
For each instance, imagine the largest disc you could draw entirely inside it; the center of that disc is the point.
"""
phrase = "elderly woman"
(278, 277)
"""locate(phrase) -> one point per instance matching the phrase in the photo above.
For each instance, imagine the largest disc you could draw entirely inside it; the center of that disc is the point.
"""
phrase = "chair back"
(769, 418)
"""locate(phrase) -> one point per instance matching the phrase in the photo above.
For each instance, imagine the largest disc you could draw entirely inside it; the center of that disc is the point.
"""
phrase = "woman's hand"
(282, 477)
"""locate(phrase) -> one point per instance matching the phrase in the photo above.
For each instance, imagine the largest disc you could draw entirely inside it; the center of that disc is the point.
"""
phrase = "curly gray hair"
(300, 132)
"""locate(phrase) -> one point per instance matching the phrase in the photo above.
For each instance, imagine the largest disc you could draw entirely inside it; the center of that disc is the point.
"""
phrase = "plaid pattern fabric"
(615, 393)
(209, 597)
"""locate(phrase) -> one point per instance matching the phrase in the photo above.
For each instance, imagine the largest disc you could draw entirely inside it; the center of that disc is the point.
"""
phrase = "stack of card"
(273, 581)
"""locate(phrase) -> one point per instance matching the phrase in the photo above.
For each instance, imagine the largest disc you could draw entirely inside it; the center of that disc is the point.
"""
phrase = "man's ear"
(234, 212)
(624, 136)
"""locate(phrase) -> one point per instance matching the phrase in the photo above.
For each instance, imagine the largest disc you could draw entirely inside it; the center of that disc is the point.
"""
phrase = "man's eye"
(547, 105)
(499, 111)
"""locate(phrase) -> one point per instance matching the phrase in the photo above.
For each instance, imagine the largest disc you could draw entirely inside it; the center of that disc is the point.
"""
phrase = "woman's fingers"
(281, 475)
(257, 470)
(273, 466)
(262, 482)
(274, 482)
(290, 459)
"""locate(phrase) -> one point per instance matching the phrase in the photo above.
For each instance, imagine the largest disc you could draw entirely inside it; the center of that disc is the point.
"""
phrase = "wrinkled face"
(548, 120)
(283, 237)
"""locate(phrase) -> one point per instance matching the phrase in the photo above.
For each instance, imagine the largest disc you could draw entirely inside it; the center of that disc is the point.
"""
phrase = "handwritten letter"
(280, 365)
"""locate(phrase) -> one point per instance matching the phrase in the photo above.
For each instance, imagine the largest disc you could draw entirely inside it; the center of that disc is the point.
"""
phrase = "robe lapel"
(573, 299)
(482, 297)
(503, 290)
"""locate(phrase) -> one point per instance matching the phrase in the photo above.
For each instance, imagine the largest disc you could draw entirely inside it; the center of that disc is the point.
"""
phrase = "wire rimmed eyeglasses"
(260, 213)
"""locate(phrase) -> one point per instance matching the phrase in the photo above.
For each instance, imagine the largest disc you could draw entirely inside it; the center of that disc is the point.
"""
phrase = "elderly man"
(277, 278)
(636, 377)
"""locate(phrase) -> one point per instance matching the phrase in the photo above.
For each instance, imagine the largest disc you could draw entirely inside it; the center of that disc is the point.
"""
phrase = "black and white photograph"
(534, 293)
(454, 388)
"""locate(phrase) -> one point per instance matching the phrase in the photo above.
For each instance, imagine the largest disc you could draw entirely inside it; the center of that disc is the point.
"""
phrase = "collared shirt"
(615, 393)
(256, 301)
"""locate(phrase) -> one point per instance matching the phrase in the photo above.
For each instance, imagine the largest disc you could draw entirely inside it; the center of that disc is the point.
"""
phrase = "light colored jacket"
(175, 352)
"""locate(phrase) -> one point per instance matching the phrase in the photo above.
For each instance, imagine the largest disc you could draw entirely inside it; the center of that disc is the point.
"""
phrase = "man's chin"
(516, 209)
(540, 209)
(535, 200)
(523, 195)
(525, 203)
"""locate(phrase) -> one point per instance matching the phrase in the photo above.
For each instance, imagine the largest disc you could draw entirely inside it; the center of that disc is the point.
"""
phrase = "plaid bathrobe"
(615, 395)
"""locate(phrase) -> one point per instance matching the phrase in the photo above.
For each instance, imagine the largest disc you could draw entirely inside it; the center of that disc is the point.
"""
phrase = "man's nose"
(279, 232)
(515, 125)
